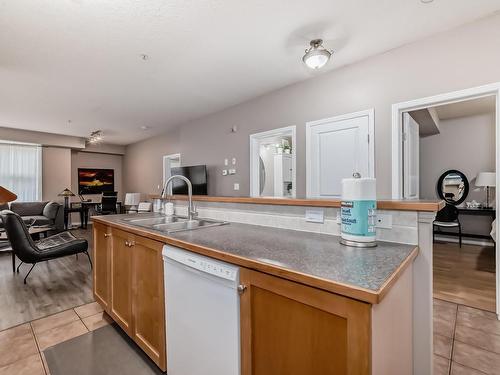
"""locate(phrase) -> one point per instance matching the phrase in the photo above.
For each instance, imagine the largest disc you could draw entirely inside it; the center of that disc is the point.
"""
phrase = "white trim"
(371, 145)
(164, 160)
(254, 153)
(437, 100)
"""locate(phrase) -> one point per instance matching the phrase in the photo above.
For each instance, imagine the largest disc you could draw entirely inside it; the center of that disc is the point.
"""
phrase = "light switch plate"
(232, 171)
(384, 221)
(236, 186)
(315, 216)
(226, 162)
(233, 161)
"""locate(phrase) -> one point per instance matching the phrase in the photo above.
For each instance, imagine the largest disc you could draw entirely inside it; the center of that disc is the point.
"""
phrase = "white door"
(335, 149)
(411, 171)
(169, 162)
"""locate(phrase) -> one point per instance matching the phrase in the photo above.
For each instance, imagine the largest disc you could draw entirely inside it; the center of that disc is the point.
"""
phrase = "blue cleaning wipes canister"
(358, 211)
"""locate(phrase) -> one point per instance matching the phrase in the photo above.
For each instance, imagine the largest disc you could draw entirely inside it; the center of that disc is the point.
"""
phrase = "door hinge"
(404, 137)
(368, 136)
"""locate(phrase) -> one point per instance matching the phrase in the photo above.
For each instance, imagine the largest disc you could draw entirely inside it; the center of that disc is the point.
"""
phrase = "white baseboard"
(467, 241)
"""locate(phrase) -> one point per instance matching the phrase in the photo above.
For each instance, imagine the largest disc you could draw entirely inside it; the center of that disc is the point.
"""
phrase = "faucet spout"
(191, 210)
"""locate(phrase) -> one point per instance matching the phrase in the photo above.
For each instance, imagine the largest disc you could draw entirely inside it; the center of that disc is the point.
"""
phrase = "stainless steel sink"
(149, 221)
(170, 224)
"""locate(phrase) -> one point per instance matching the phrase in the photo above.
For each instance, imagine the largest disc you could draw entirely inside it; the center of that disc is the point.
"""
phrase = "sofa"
(38, 213)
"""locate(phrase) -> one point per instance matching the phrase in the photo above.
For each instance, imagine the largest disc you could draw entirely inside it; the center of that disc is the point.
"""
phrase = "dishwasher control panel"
(201, 263)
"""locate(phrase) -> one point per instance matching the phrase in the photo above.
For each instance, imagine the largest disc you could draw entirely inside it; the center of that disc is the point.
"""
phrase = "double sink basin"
(171, 224)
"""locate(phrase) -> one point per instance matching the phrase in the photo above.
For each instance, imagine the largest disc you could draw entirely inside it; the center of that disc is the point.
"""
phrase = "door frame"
(254, 157)
(398, 109)
(371, 141)
(164, 164)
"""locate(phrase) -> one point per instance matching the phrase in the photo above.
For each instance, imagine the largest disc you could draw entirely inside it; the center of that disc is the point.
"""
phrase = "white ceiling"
(467, 108)
(80, 59)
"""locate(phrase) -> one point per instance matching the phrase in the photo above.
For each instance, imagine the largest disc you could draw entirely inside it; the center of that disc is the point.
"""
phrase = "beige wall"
(468, 145)
(457, 59)
(56, 172)
(80, 159)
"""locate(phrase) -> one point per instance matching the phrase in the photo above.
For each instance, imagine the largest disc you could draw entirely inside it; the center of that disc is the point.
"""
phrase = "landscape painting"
(95, 181)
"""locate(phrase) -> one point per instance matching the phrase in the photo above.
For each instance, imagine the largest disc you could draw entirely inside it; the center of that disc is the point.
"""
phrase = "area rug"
(107, 350)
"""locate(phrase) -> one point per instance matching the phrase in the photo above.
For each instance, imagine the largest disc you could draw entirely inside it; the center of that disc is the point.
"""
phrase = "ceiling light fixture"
(95, 137)
(144, 127)
(316, 56)
(426, 1)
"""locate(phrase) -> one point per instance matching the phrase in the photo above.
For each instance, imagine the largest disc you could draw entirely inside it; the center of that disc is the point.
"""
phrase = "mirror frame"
(439, 187)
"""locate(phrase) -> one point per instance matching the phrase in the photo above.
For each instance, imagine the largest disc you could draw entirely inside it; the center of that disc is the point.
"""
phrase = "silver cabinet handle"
(106, 235)
(127, 243)
(242, 288)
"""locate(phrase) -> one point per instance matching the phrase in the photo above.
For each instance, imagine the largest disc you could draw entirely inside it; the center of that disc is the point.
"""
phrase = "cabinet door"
(101, 258)
(148, 299)
(121, 279)
(291, 329)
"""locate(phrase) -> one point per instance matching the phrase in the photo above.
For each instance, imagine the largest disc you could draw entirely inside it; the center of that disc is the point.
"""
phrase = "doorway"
(463, 280)
(169, 162)
(273, 163)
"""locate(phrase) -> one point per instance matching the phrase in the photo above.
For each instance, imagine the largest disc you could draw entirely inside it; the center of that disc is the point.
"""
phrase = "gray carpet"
(105, 351)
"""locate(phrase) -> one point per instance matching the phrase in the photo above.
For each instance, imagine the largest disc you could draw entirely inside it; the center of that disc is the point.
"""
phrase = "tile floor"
(21, 346)
(466, 340)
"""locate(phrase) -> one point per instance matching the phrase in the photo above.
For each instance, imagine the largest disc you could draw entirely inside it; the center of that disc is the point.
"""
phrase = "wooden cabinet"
(102, 262)
(148, 298)
(128, 284)
(121, 279)
(291, 329)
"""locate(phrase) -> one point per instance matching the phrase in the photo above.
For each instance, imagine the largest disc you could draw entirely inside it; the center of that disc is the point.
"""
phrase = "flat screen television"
(95, 181)
(197, 174)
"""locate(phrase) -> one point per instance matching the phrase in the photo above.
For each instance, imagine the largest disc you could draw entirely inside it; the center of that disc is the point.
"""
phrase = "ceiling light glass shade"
(316, 56)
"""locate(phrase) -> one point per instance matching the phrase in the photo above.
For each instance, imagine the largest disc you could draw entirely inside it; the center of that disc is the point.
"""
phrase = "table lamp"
(132, 200)
(66, 193)
(486, 179)
(6, 196)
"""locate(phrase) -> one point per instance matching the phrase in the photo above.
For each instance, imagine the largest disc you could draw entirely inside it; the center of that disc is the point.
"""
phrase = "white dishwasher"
(203, 314)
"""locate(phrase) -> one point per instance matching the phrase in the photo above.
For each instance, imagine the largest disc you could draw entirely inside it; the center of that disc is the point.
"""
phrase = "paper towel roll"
(358, 210)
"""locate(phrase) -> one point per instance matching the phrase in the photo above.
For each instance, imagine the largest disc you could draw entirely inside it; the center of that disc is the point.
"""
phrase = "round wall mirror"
(453, 187)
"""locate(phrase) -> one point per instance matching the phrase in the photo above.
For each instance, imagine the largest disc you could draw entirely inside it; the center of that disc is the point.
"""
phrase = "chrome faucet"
(191, 209)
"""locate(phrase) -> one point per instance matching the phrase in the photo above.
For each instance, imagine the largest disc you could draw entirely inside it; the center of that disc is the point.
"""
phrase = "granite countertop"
(311, 258)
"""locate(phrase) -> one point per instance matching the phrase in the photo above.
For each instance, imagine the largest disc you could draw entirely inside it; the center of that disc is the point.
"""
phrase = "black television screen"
(197, 174)
(95, 181)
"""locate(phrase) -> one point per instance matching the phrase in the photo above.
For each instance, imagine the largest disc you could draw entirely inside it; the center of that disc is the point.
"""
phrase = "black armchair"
(29, 251)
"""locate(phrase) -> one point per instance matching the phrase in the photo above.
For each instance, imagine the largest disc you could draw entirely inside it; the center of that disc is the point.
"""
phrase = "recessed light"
(426, 1)
(144, 127)
(144, 57)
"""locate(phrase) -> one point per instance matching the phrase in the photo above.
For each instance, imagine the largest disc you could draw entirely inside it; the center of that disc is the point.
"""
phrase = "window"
(21, 170)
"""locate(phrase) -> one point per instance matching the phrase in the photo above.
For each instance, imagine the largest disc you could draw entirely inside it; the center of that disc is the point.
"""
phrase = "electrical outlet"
(224, 172)
(315, 216)
(233, 161)
(226, 162)
(384, 221)
(236, 186)
(232, 171)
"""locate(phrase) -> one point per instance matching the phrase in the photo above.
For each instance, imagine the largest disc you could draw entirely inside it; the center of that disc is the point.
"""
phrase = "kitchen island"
(310, 305)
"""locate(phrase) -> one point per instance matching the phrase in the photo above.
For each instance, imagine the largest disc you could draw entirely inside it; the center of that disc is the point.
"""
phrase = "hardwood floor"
(53, 286)
(465, 275)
